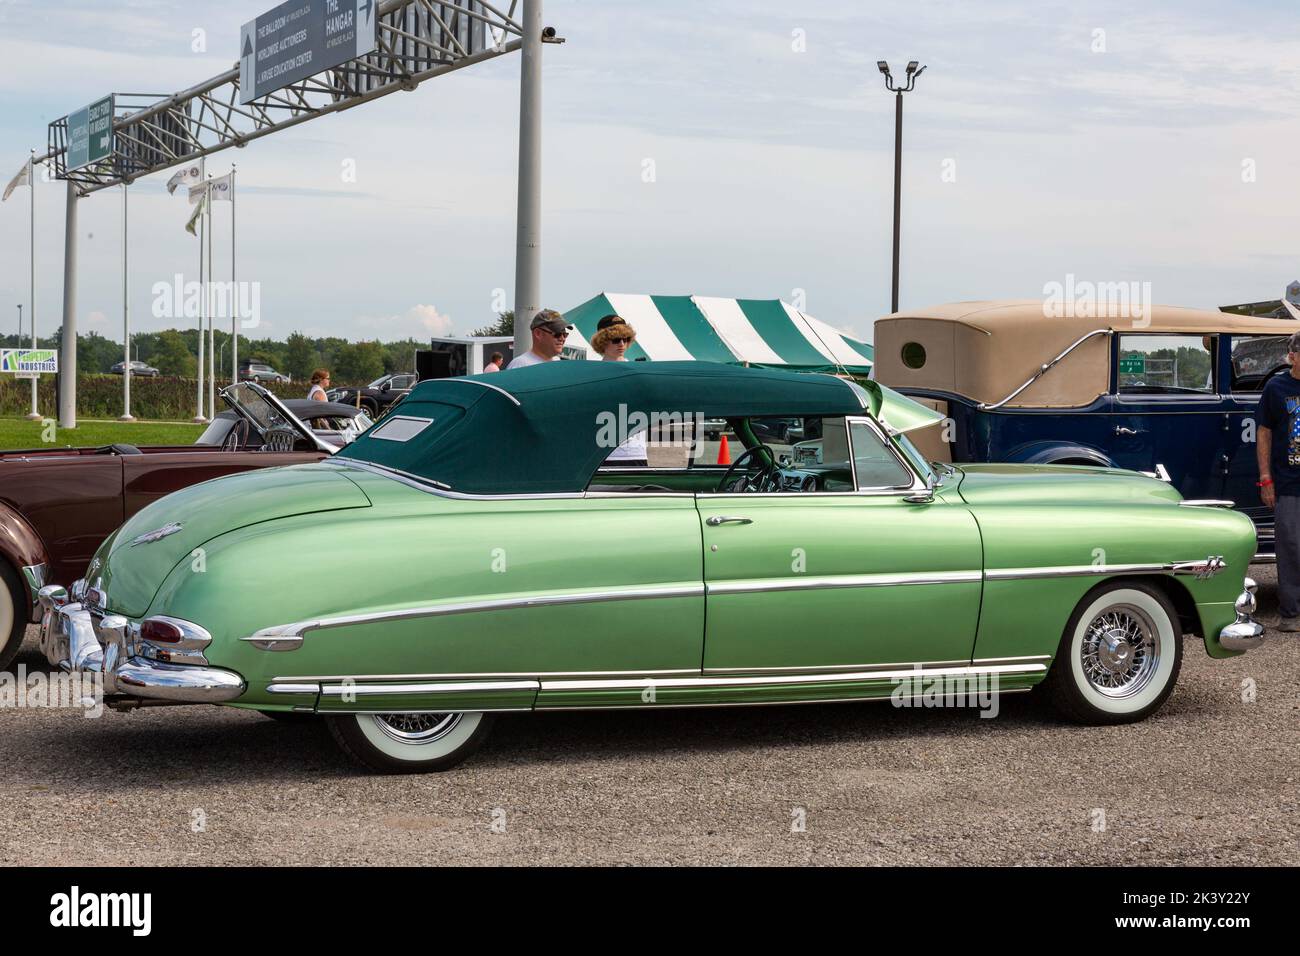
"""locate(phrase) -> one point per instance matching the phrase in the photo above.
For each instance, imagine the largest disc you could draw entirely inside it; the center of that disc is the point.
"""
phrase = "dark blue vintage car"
(1168, 391)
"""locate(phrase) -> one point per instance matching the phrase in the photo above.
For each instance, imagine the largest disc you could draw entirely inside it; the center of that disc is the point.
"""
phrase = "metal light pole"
(126, 415)
(34, 414)
(20, 325)
(898, 91)
(68, 360)
(528, 278)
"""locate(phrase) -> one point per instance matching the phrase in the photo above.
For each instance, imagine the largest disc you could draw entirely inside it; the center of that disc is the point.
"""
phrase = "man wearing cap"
(549, 332)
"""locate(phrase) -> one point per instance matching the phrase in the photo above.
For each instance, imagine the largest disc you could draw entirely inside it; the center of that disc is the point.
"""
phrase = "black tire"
(363, 737)
(13, 606)
(1116, 681)
(371, 409)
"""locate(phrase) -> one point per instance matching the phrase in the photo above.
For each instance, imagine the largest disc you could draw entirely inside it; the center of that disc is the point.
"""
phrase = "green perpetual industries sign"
(300, 38)
(28, 363)
(90, 134)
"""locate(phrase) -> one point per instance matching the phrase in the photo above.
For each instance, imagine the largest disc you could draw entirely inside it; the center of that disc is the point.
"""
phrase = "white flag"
(223, 188)
(185, 176)
(194, 218)
(198, 192)
(24, 178)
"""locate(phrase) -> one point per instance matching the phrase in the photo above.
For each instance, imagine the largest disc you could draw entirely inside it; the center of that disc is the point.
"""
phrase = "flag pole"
(203, 298)
(34, 414)
(234, 295)
(126, 320)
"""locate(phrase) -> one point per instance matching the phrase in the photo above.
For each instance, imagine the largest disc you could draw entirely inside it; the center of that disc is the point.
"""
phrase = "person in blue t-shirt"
(1277, 452)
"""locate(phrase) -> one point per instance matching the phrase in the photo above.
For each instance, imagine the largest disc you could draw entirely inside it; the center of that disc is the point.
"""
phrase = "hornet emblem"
(157, 534)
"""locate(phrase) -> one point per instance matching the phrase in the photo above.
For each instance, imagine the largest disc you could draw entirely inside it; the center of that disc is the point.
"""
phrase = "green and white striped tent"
(762, 332)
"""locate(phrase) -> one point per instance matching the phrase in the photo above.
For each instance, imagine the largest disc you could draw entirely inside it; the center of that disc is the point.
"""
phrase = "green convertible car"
(525, 573)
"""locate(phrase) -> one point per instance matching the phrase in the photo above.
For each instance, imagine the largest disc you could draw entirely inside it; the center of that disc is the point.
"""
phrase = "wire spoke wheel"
(1120, 651)
(417, 728)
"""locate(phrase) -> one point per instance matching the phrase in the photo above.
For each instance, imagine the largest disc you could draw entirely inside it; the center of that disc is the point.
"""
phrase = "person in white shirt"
(549, 333)
(612, 339)
(320, 380)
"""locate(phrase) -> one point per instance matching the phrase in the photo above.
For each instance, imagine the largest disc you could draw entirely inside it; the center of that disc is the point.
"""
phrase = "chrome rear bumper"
(76, 641)
(1245, 633)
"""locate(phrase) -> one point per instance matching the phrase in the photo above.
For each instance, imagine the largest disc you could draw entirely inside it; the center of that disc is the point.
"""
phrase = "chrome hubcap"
(1121, 651)
(417, 728)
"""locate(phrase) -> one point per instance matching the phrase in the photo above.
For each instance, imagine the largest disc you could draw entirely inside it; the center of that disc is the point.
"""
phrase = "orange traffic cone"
(724, 453)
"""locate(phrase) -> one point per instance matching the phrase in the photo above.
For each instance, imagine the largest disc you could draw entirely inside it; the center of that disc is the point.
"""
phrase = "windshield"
(914, 456)
(379, 381)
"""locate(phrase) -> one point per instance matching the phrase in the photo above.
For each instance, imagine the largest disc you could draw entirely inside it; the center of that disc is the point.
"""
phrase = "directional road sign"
(303, 37)
(90, 134)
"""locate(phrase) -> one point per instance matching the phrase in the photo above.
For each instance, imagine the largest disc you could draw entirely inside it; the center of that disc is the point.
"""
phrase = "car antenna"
(829, 351)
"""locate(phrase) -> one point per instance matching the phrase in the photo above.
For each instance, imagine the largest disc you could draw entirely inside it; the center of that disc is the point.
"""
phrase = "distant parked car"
(137, 368)
(376, 397)
(258, 372)
(331, 422)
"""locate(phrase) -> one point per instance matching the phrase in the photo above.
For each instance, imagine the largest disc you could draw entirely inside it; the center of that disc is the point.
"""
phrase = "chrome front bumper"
(1245, 633)
(75, 640)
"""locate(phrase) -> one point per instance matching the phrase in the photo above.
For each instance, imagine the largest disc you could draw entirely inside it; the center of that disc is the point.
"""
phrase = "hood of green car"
(1077, 484)
(134, 562)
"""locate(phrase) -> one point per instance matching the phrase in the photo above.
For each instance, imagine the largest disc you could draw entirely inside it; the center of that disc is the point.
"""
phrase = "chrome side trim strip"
(503, 675)
(829, 668)
(280, 687)
(549, 708)
(784, 679)
(465, 687)
(842, 581)
(1084, 570)
(1206, 503)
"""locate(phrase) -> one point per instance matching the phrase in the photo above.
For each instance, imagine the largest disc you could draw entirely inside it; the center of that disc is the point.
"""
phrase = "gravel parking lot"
(1212, 779)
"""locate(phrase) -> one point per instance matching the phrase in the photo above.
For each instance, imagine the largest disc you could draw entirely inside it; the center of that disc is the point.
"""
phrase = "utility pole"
(528, 243)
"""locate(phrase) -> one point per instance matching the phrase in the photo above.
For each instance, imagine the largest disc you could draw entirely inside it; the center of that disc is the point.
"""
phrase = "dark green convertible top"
(535, 430)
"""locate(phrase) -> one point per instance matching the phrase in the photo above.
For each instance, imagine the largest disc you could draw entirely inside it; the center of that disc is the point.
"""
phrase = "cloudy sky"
(1155, 142)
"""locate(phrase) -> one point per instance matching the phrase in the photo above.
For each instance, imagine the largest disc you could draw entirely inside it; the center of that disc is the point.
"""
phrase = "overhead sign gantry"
(292, 68)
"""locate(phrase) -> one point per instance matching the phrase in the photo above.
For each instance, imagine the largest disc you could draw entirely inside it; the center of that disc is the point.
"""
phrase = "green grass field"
(19, 433)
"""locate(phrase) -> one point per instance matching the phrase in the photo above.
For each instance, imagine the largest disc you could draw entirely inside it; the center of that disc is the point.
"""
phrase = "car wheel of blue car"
(410, 743)
(1119, 657)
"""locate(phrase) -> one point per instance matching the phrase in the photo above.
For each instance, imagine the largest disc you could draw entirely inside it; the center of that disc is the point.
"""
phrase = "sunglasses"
(558, 335)
(620, 341)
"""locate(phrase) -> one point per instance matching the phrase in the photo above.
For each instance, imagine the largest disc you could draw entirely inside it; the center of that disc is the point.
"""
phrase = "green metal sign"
(1133, 365)
(90, 134)
(28, 361)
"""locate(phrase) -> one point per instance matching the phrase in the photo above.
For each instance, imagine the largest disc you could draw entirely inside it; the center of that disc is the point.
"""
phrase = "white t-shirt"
(312, 394)
(528, 358)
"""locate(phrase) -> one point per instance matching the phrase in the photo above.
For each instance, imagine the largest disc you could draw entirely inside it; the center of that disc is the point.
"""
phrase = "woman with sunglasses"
(611, 341)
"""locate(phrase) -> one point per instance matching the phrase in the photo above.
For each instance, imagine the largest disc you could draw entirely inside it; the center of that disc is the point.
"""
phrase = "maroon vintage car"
(57, 505)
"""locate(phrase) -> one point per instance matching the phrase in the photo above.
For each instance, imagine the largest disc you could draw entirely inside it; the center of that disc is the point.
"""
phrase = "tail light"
(159, 630)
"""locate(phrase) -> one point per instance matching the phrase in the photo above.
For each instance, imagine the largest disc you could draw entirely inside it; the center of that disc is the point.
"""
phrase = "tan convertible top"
(984, 351)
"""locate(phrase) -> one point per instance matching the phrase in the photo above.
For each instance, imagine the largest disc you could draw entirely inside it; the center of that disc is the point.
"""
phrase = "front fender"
(21, 546)
(1050, 452)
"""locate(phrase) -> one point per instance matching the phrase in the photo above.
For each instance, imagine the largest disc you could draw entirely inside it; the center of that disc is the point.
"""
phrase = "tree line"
(175, 352)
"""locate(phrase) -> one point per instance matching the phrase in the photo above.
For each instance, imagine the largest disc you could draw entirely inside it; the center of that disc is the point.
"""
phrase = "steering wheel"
(236, 437)
(754, 471)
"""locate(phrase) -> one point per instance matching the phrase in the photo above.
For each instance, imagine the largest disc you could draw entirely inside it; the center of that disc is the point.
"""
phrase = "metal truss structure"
(418, 40)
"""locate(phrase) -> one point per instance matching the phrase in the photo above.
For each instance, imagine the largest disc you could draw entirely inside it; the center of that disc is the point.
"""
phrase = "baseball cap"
(550, 319)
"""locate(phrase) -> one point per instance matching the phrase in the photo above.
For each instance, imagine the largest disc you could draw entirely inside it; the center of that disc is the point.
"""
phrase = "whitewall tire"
(410, 743)
(13, 615)
(1119, 656)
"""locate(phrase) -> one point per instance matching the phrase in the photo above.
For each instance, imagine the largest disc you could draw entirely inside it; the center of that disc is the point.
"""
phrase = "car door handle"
(716, 520)
(1121, 430)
